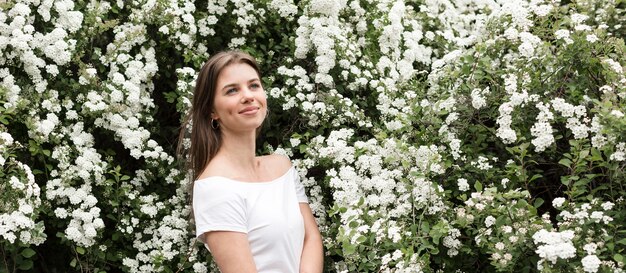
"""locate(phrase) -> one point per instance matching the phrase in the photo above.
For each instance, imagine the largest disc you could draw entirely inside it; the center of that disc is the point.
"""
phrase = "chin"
(252, 126)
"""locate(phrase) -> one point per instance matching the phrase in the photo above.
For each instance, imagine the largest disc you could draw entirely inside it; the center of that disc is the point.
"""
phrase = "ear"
(214, 116)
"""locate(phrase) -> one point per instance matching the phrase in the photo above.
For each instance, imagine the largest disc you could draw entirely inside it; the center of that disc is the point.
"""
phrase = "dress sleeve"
(216, 210)
(300, 193)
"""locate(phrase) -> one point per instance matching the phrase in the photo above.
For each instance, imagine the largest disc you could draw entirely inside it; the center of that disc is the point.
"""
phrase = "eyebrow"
(235, 85)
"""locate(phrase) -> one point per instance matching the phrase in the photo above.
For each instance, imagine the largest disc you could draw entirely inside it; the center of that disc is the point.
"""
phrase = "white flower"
(463, 185)
(582, 27)
(554, 245)
(451, 242)
(499, 246)
(61, 213)
(482, 163)
(615, 66)
(6, 138)
(558, 202)
(541, 10)
(562, 33)
(511, 33)
(200, 268)
(504, 182)
(620, 152)
(394, 125)
(542, 130)
(325, 7)
(294, 142)
(617, 113)
(507, 229)
(478, 99)
(607, 205)
(591, 263)
(47, 126)
(489, 221)
(526, 49)
(590, 248)
(596, 216)
(26, 209)
(578, 18)
(164, 29)
(592, 38)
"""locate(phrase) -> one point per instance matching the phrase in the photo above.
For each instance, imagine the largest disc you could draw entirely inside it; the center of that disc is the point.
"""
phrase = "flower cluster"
(19, 213)
(426, 134)
(589, 222)
(553, 246)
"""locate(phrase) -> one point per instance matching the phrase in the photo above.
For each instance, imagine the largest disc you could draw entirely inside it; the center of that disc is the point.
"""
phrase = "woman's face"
(240, 102)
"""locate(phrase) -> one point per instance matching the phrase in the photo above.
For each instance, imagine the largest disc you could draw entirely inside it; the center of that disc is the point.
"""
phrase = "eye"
(231, 91)
(255, 86)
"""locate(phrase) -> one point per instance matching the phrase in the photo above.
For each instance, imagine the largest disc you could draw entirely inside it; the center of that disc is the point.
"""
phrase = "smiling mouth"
(249, 110)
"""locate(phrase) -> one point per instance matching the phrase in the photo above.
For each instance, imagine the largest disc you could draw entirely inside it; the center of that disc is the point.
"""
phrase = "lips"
(249, 110)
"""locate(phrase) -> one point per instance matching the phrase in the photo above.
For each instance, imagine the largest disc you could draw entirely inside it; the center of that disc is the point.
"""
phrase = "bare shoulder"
(280, 163)
(216, 167)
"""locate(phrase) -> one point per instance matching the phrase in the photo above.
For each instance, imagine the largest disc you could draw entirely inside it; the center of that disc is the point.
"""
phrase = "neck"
(239, 148)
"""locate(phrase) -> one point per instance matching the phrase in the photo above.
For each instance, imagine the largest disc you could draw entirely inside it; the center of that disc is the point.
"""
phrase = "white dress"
(268, 212)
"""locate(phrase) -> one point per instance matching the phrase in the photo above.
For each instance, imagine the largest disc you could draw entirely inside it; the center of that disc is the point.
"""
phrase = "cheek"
(225, 107)
(263, 98)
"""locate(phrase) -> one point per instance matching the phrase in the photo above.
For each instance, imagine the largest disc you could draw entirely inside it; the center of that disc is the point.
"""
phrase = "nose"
(247, 95)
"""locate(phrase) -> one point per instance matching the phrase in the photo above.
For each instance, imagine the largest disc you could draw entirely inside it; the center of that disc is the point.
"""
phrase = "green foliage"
(405, 157)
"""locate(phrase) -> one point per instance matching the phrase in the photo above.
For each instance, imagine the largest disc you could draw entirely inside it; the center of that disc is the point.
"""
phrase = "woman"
(250, 211)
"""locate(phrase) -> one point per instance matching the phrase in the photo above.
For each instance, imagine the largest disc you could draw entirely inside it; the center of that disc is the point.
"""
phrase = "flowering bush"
(432, 136)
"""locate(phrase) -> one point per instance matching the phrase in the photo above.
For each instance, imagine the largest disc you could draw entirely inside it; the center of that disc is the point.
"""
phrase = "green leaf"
(478, 186)
(27, 253)
(26, 265)
(538, 202)
(565, 162)
(535, 177)
(595, 155)
(583, 154)
(80, 250)
(618, 258)
(565, 180)
(349, 249)
(425, 227)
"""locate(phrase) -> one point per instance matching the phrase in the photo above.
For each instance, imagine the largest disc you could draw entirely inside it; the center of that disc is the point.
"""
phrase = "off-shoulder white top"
(268, 212)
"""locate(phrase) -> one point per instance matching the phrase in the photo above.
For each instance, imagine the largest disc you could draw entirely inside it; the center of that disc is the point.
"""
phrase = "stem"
(78, 259)
(4, 257)
(523, 174)
(471, 76)
(186, 258)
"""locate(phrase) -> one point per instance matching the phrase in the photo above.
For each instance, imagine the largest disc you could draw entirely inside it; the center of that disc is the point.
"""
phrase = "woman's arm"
(312, 260)
(231, 251)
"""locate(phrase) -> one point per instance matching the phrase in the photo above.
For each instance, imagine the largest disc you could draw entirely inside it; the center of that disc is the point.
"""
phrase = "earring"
(213, 124)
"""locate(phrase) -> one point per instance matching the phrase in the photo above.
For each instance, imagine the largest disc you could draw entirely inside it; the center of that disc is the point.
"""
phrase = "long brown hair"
(206, 140)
